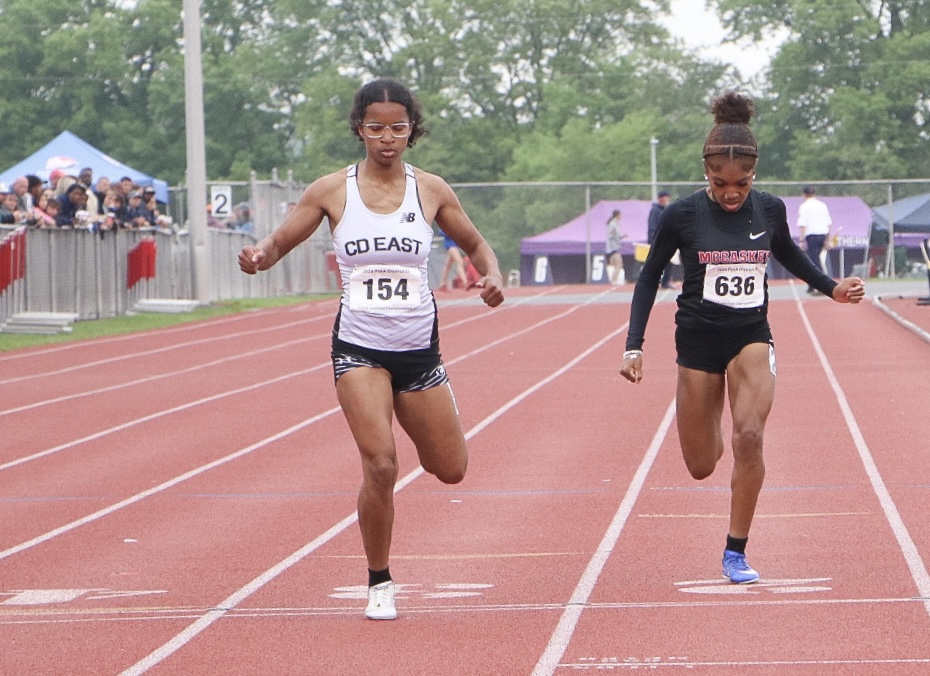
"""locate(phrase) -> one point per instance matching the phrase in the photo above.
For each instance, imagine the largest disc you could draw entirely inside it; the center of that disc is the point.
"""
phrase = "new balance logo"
(756, 235)
(408, 217)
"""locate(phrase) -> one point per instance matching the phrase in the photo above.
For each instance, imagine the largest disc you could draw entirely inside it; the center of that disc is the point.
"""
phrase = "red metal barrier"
(141, 262)
(12, 258)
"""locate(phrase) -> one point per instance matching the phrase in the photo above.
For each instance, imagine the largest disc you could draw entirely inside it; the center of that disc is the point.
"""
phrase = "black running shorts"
(711, 351)
(411, 370)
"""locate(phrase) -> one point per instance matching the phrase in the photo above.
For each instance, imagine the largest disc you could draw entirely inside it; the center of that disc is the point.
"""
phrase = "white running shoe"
(381, 602)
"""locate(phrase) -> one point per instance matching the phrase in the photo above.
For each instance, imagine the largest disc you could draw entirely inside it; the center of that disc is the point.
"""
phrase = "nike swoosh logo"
(756, 235)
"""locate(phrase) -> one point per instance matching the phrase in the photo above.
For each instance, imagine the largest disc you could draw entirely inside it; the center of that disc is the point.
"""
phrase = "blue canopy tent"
(908, 220)
(70, 154)
(911, 215)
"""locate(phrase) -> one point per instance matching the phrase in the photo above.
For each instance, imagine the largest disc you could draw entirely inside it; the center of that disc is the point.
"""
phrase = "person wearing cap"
(242, 219)
(814, 223)
(73, 200)
(662, 200)
(136, 216)
(54, 177)
(151, 205)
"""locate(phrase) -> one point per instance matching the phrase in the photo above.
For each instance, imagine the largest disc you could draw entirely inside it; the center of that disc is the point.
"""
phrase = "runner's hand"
(850, 290)
(251, 259)
(491, 286)
(632, 368)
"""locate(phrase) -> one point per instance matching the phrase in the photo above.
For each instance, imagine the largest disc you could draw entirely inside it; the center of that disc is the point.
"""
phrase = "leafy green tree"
(844, 98)
(485, 70)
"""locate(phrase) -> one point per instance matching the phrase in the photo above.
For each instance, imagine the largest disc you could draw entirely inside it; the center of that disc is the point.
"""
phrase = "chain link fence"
(506, 213)
(90, 275)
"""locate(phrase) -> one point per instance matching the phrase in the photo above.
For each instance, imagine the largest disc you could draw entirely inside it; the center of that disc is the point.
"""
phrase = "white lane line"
(678, 663)
(907, 323)
(195, 472)
(228, 393)
(125, 337)
(155, 416)
(181, 639)
(560, 638)
(65, 615)
(45, 537)
(911, 554)
(149, 379)
(157, 350)
(169, 374)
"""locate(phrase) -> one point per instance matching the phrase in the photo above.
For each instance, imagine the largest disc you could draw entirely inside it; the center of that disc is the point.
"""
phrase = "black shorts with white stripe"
(411, 370)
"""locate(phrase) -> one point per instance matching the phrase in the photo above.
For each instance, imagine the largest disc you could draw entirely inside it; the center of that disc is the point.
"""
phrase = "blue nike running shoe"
(736, 570)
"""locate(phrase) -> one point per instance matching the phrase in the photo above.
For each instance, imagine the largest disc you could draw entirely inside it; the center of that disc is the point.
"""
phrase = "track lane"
(808, 566)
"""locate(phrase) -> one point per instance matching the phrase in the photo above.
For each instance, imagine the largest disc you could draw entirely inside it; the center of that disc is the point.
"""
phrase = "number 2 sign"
(221, 200)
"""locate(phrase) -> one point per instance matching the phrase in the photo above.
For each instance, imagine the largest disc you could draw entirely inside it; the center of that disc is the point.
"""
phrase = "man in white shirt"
(814, 222)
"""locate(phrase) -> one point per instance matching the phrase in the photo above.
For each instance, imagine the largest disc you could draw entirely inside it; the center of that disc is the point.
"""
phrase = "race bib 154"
(384, 288)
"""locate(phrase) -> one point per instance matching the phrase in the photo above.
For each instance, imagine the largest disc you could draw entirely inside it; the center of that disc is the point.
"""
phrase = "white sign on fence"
(221, 201)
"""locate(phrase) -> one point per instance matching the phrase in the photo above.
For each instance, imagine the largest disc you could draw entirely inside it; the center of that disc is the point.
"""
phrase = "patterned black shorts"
(411, 370)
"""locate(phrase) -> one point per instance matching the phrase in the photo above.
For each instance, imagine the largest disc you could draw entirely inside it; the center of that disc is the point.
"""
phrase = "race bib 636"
(736, 285)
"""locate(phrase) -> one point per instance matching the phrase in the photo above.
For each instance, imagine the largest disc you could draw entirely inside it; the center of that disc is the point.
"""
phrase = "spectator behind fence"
(242, 219)
(52, 208)
(136, 216)
(114, 207)
(7, 207)
(101, 188)
(86, 178)
(63, 183)
(42, 212)
(72, 206)
(20, 188)
(151, 205)
(126, 186)
(35, 187)
(53, 179)
(213, 221)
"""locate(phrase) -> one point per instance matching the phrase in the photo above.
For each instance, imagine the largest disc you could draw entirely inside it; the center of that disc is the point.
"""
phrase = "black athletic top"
(724, 256)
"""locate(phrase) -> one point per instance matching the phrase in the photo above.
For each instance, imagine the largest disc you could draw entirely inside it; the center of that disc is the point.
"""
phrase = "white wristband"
(632, 354)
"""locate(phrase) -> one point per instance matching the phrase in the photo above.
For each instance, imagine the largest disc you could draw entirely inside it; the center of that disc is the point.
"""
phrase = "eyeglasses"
(398, 129)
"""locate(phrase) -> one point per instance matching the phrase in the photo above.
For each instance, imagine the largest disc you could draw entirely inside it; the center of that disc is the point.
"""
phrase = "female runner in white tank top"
(385, 340)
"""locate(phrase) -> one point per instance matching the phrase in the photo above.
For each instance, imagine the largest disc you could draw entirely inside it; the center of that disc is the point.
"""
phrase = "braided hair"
(731, 138)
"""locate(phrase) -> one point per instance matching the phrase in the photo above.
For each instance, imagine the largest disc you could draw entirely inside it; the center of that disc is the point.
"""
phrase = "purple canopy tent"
(559, 256)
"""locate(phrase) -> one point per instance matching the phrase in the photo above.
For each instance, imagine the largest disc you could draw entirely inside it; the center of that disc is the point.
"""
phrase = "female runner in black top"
(726, 233)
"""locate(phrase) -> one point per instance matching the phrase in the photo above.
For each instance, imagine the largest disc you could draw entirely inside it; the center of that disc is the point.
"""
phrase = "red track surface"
(182, 501)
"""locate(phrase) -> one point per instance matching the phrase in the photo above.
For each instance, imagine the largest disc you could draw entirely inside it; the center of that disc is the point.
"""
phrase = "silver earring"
(705, 177)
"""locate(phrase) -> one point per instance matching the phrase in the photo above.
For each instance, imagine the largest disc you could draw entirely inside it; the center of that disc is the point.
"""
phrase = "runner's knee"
(700, 468)
(447, 472)
(381, 472)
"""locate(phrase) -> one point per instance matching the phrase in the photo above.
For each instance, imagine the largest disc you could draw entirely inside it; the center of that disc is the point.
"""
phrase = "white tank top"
(386, 300)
